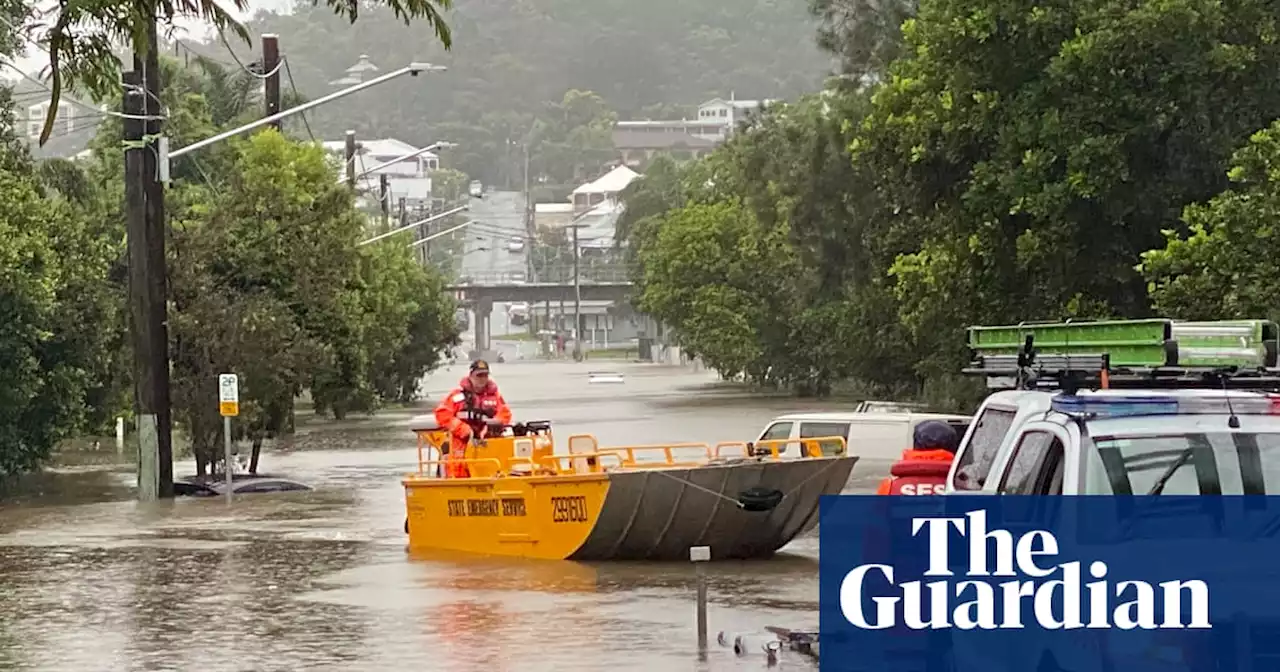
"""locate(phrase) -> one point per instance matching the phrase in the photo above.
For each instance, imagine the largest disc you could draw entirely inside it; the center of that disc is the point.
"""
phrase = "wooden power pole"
(350, 156)
(384, 200)
(271, 68)
(148, 287)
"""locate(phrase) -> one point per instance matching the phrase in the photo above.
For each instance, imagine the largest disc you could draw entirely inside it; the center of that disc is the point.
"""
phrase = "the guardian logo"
(1056, 603)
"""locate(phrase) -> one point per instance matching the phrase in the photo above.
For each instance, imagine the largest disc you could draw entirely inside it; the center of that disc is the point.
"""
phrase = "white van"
(871, 436)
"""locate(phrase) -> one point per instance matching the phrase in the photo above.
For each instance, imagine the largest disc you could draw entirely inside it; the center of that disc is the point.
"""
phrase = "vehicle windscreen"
(1185, 463)
(975, 461)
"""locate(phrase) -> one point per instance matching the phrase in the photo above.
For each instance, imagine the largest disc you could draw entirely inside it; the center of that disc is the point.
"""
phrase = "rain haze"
(449, 337)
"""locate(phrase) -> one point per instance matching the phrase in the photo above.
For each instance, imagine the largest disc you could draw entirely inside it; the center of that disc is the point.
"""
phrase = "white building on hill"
(409, 179)
(640, 141)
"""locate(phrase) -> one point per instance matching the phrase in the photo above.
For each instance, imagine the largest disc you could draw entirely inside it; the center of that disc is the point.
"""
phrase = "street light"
(406, 157)
(413, 69)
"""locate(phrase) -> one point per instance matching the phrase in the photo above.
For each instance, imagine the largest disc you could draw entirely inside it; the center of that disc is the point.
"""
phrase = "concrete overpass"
(480, 291)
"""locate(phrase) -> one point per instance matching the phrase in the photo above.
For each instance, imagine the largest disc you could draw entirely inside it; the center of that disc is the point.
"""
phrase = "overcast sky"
(36, 60)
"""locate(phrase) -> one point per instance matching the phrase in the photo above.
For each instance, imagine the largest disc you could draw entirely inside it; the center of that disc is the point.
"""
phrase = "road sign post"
(229, 407)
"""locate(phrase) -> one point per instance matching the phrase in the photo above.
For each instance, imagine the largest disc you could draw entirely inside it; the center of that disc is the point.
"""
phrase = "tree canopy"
(266, 281)
(82, 38)
(1013, 163)
(514, 65)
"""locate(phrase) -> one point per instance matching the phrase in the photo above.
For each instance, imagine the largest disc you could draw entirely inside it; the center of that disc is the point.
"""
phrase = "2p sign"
(229, 395)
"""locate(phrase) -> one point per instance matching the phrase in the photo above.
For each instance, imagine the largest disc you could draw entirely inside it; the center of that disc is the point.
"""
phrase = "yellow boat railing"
(810, 446)
(625, 457)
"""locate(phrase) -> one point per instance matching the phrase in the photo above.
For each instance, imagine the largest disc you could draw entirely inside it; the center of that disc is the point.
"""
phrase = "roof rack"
(1129, 354)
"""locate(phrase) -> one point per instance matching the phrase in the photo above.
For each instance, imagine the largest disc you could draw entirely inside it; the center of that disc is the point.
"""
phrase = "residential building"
(640, 141)
(76, 124)
(730, 112)
(605, 188)
(409, 179)
(552, 215)
(605, 324)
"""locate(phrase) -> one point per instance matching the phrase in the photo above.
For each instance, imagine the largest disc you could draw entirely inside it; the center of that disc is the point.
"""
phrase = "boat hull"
(634, 514)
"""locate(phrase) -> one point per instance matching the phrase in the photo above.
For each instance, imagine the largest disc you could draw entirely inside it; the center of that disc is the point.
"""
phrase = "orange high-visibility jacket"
(919, 472)
(465, 411)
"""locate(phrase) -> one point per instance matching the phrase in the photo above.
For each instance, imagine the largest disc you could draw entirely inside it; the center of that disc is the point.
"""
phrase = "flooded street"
(92, 580)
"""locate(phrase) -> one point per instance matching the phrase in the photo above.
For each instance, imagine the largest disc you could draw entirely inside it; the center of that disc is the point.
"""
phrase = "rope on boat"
(758, 499)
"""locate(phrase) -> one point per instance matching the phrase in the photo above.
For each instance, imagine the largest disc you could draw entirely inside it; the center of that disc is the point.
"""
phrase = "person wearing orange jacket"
(924, 467)
(469, 412)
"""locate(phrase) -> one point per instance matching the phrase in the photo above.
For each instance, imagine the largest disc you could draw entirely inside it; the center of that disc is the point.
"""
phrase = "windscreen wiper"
(1183, 458)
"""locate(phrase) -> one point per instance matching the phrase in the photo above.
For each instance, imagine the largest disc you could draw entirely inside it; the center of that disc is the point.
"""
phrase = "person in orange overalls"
(923, 468)
(467, 413)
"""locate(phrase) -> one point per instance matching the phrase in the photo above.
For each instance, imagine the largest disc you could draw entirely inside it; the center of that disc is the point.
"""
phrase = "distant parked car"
(515, 245)
(518, 277)
(518, 314)
(194, 486)
(477, 189)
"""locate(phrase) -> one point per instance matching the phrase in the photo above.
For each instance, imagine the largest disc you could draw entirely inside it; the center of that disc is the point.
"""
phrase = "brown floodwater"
(92, 580)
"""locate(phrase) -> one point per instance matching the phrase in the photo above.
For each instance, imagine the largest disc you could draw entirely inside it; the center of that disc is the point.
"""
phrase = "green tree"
(450, 185)
(573, 139)
(55, 342)
(1224, 266)
(823, 310)
(511, 57)
(411, 321)
(1027, 156)
(865, 35)
(707, 273)
(82, 38)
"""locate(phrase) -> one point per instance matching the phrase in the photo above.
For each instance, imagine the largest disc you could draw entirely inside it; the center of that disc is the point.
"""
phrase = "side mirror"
(751, 449)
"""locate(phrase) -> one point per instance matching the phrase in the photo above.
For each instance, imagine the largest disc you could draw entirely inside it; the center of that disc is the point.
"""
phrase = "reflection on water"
(321, 581)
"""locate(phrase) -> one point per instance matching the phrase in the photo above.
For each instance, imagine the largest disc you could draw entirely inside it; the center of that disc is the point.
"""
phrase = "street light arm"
(406, 227)
(442, 233)
(411, 69)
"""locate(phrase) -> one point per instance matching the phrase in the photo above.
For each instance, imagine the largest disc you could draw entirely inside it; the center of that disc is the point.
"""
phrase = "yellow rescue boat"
(650, 502)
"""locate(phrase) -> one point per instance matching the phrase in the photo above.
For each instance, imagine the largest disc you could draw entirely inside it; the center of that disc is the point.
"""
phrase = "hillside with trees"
(513, 62)
(1071, 161)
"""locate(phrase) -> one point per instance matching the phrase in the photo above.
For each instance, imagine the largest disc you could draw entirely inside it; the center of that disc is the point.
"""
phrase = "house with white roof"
(409, 179)
(606, 187)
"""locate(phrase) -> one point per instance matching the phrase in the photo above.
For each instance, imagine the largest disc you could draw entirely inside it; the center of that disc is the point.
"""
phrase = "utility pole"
(351, 158)
(148, 290)
(384, 201)
(271, 68)
(577, 301)
(426, 235)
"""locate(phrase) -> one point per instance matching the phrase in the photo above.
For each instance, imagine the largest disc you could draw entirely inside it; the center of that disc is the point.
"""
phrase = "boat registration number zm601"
(485, 508)
(569, 509)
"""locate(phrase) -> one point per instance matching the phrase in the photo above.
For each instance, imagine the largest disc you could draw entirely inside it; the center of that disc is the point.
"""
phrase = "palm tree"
(233, 94)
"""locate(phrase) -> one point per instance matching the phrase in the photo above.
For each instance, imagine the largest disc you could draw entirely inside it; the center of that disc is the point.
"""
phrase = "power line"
(240, 63)
(294, 88)
(14, 66)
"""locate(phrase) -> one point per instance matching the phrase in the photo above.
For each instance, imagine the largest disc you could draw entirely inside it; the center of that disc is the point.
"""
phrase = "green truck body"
(1151, 343)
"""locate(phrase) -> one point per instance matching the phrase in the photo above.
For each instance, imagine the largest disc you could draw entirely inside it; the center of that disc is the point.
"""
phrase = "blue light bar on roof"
(1119, 406)
(1115, 406)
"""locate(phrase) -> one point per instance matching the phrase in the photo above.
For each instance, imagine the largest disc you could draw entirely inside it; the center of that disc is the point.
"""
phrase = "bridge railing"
(589, 276)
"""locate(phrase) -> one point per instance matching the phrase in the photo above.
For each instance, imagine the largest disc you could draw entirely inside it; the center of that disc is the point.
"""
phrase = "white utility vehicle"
(869, 435)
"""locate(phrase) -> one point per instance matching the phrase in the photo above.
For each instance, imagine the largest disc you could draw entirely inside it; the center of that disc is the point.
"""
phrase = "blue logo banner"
(968, 583)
